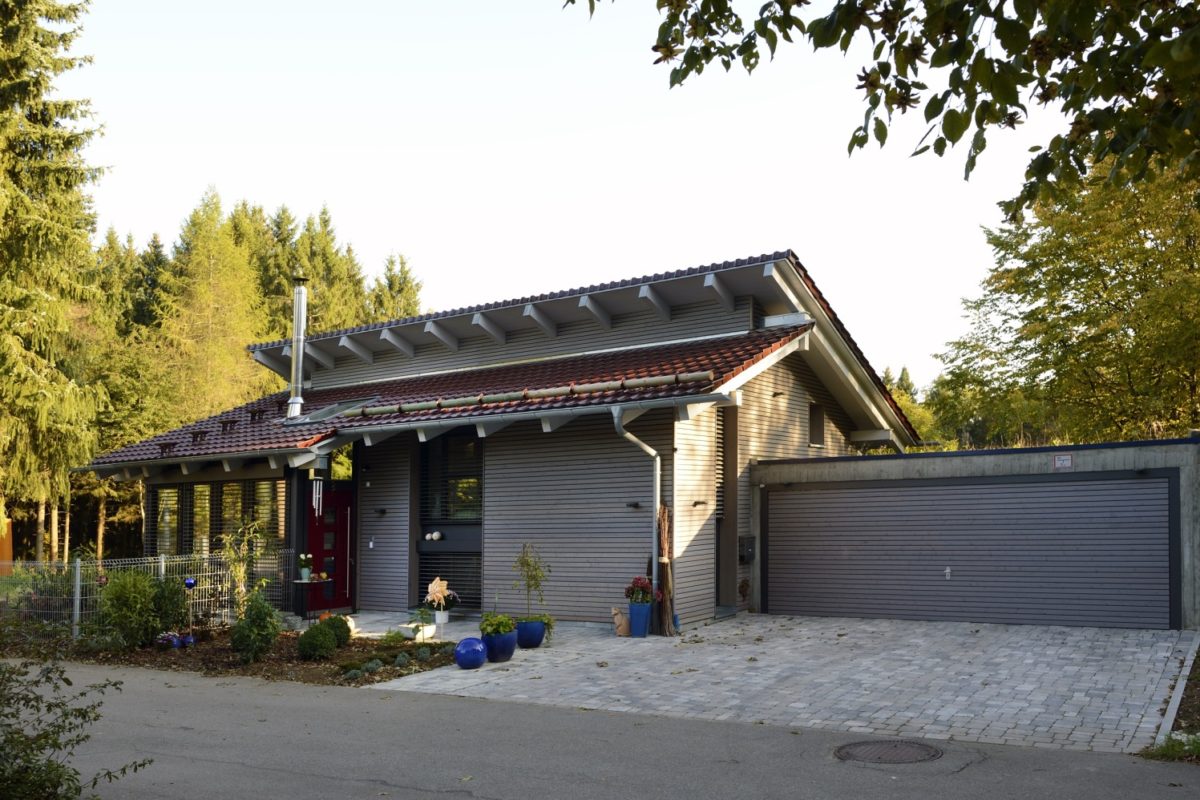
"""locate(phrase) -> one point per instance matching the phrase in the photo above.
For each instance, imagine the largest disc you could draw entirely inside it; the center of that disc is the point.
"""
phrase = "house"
(562, 419)
(732, 395)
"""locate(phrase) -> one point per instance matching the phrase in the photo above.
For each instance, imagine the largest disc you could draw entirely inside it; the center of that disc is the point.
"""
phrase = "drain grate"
(897, 751)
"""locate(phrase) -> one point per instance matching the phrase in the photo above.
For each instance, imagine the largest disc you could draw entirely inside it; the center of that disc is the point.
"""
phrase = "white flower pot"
(441, 617)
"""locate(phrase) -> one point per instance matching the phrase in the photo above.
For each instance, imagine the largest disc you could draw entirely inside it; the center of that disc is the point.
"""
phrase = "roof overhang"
(765, 280)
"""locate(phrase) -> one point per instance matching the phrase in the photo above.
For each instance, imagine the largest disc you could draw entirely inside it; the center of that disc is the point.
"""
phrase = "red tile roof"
(259, 427)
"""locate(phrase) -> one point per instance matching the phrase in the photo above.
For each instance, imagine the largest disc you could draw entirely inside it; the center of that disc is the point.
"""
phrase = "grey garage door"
(1077, 552)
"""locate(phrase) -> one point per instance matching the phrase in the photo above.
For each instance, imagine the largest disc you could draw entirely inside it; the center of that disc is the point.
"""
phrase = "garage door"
(1049, 552)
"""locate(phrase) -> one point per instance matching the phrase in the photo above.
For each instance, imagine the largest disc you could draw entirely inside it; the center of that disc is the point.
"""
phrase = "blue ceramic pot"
(530, 633)
(470, 654)
(639, 619)
(500, 646)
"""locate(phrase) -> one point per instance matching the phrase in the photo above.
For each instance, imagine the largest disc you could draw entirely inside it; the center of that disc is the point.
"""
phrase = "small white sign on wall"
(1064, 462)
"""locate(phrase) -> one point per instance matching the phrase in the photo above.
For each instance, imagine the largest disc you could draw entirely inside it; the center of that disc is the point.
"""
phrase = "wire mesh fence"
(70, 593)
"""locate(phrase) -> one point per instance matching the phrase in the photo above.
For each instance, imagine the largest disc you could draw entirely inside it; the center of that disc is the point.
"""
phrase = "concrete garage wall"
(1181, 455)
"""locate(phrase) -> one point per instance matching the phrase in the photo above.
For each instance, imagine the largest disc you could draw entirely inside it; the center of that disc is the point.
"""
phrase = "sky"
(516, 148)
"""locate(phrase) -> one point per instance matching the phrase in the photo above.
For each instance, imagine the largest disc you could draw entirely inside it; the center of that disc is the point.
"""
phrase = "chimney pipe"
(299, 320)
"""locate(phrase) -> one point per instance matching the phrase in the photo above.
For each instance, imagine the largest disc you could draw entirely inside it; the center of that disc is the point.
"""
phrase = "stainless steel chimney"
(299, 320)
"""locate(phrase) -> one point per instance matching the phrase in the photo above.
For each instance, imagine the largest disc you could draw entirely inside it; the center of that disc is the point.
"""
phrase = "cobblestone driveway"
(1078, 688)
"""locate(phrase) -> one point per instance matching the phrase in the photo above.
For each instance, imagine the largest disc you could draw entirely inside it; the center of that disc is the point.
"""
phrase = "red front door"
(330, 542)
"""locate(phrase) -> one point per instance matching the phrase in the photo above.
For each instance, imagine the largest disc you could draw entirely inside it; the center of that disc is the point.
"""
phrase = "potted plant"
(499, 634)
(641, 595)
(419, 626)
(440, 598)
(532, 628)
(306, 562)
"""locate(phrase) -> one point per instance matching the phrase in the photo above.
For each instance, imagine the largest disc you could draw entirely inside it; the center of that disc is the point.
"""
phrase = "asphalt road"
(245, 738)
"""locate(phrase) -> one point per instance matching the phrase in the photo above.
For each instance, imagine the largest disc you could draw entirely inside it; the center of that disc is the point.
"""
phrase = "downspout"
(299, 321)
(619, 423)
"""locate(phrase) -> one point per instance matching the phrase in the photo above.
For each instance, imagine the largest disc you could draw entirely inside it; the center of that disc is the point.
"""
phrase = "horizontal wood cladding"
(694, 517)
(773, 423)
(1063, 552)
(628, 330)
(383, 569)
(567, 493)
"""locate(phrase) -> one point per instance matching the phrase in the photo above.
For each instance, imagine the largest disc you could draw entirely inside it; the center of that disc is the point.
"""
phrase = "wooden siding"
(567, 492)
(694, 517)
(1019, 550)
(383, 569)
(628, 330)
(773, 423)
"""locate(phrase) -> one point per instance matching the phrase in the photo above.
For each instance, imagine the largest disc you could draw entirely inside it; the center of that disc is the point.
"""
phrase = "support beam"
(318, 355)
(372, 439)
(540, 318)
(691, 410)
(274, 462)
(429, 434)
(596, 310)
(286, 352)
(397, 341)
(879, 436)
(300, 459)
(186, 468)
(774, 274)
(553, 422)
(360, 352)
(650, 294)
(713, 281)
(625, 415)
(439, 332)
(485, 429)
(490, 327)
(278, 366)
(231, 464)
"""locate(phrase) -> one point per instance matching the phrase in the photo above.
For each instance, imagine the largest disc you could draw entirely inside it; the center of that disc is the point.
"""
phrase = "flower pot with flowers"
(499, 634)
(532, 628)
(306, 562)
(641, 597)
(440, 598)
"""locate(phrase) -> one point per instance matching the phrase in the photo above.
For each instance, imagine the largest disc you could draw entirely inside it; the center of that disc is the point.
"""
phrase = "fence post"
(78, 590)
(162, 567)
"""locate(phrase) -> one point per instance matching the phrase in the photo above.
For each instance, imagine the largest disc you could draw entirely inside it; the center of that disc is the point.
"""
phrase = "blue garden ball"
(189, 583)
(470, 653)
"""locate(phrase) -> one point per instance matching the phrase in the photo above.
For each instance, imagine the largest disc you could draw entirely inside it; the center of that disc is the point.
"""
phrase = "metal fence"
(70, 593)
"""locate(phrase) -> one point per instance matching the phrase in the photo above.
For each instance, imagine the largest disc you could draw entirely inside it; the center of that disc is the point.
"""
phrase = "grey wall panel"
(567, 493)
(383, 569)
(1061, 552)
(773, 423)
(628, 330)
(694, 523)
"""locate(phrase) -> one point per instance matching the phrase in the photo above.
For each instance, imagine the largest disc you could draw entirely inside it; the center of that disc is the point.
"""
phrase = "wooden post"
(77, 598)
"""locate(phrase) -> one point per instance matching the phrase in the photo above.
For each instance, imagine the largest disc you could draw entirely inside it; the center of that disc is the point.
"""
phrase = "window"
(816, 426)
(167, 528)
(453, 487)
(201, 514)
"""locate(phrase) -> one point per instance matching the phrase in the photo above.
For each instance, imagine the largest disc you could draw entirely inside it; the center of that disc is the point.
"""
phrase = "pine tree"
(338, 295)
(145, 285)
(45, 415)
(395, 294)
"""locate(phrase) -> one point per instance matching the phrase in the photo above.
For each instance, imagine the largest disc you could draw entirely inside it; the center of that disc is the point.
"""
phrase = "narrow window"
(201, 517)
(816, 425)
(168, 522)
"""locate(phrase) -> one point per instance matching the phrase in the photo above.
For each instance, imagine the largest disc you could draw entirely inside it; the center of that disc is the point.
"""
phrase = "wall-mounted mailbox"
(745, 549)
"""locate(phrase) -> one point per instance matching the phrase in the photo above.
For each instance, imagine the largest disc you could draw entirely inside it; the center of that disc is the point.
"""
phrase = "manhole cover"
(893, 752)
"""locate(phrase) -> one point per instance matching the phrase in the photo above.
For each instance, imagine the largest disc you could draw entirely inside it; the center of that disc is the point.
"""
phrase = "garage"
(1073, 548)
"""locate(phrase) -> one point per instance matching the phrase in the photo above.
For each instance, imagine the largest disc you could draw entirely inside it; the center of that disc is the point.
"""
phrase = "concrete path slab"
(1055, 687)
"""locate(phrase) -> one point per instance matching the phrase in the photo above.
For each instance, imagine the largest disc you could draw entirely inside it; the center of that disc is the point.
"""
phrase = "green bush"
(423, 654)
(255, 632)
(448, 649)
(171, 604)
(340, 628)
(352, 675)
(493, 623)
(401, 660)
(127, 605)
(374, 665)
(317, 643)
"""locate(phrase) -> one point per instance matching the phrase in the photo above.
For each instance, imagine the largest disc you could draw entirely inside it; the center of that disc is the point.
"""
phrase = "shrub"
(493, 624)
(171, 604)
(393, 639)
(374, 665)
(401, 660)
(256, 631)
(317, 643)
(352, 675)
(127, 604)
(351, 665)
(448, 649)
(340, 628)
(423, 654)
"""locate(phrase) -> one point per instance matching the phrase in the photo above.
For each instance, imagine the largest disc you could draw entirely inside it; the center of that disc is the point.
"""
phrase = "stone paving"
(1074, 688)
